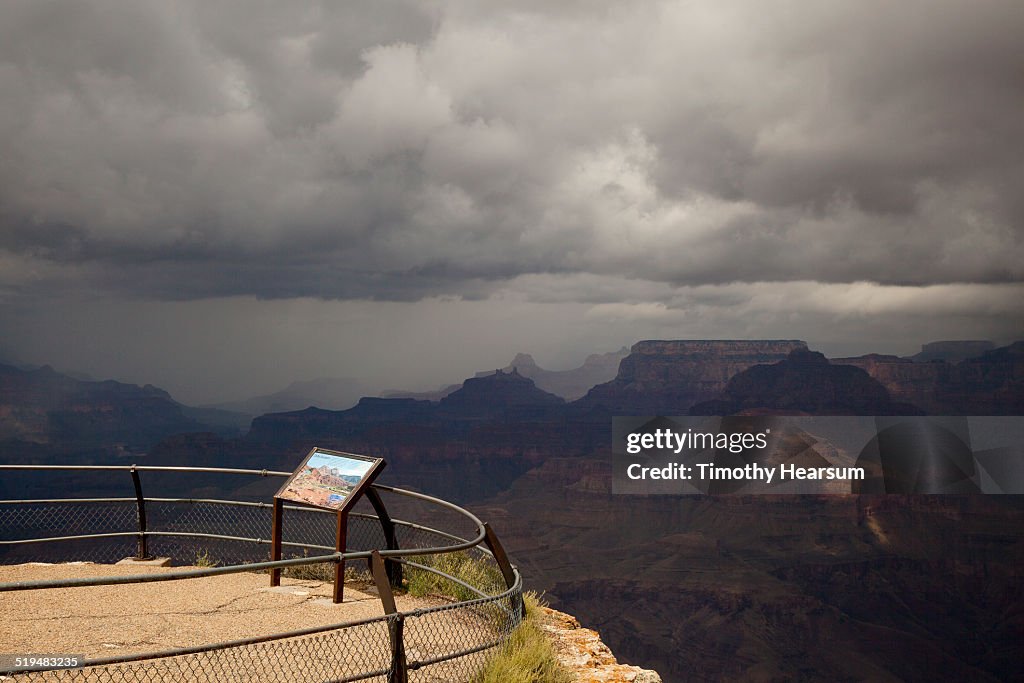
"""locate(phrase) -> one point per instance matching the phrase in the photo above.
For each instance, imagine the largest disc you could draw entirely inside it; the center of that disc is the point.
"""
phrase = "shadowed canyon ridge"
(699, 588)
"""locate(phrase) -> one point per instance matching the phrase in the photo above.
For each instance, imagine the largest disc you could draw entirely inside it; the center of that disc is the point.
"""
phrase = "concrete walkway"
(105, 621)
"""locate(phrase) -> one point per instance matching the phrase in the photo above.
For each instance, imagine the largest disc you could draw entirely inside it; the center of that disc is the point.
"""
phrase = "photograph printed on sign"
(326, 479)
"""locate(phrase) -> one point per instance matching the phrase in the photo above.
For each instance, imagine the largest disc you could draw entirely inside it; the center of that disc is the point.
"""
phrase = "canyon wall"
(668, 377)
(805, 383)
(989, 384)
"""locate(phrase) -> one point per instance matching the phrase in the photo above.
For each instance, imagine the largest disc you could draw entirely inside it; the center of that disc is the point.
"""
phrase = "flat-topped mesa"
(648, 358)
(953, 351)
(719, 347)
(668, 377)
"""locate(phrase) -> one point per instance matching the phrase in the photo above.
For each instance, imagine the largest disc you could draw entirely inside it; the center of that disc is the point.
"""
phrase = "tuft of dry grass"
(203, 559)
(476, 572)
(324, 572)
(527, 656)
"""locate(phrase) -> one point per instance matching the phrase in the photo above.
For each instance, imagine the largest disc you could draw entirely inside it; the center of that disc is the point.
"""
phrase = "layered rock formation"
(708, 587)
(668, 377)
(905, 380)
(46, 408)
(581, 651)
(471, 444)
(989, 384)
(805, 383)
(952, 351)
(775, 588)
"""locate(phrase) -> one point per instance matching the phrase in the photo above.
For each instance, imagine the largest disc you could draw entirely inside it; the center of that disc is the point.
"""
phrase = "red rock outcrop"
(989, 384)
(587, 658)
(668, 377)
(804, 383)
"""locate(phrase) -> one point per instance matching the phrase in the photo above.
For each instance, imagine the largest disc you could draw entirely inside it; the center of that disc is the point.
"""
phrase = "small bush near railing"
(203, 559)
(324, 571)
(527, 656)
(479, 573)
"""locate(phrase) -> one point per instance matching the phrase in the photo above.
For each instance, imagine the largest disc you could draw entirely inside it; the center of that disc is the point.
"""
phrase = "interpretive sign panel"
(330, 479)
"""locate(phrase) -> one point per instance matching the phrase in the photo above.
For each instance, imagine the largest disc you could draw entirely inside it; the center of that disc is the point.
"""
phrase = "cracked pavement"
(103, 621)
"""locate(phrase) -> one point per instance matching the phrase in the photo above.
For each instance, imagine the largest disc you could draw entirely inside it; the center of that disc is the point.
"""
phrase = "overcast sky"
(220, 197)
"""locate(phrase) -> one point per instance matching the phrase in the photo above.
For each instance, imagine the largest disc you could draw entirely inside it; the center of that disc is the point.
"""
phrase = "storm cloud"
(664, 158)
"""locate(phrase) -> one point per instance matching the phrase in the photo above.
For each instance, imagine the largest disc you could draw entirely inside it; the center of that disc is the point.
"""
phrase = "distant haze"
(224, 198)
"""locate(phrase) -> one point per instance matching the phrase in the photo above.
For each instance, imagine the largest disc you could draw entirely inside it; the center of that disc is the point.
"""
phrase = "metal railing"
(444, 642)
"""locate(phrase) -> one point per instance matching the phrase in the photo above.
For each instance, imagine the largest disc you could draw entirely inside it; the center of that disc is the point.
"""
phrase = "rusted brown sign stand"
(371, 468)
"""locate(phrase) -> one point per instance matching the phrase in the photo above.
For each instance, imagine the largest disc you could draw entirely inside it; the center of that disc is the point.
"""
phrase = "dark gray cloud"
(435, 144)
(669, 158)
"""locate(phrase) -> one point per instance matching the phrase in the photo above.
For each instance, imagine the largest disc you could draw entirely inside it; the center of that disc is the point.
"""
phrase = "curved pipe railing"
(482, 541)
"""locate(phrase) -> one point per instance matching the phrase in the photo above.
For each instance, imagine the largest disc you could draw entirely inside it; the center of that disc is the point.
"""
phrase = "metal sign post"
(329, 480)
(340, 539)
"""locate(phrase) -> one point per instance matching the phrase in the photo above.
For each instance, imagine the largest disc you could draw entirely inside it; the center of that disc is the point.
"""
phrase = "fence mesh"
(304, 531)
(448, 643)
(359, 652)
(452, 643)
(66, 519)
(43, 520)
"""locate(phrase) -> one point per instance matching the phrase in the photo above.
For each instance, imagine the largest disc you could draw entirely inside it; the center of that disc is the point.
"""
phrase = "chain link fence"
(452, 642)
(445, 644)
(27, 521)
(358, 652)
(449, 642)
(176, 529)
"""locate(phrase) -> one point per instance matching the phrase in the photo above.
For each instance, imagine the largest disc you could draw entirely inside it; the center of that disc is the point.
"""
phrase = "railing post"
(396, 627)
(276, 523)
(507, 571)
(394, 569)
(140, 508)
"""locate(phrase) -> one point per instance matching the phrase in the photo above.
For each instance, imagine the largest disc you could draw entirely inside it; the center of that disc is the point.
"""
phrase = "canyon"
(706, 587)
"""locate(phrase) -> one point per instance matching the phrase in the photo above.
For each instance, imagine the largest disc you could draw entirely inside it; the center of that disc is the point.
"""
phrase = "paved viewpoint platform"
(105, 621)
